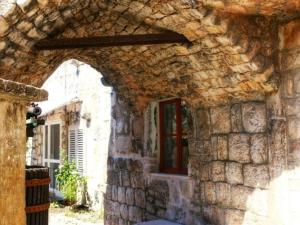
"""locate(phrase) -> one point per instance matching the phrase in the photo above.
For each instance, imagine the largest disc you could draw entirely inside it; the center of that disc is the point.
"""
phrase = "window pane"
(185, 152)
(170, 152)
(52, 169)
(55, 141)
(169, 119)
(46, 142)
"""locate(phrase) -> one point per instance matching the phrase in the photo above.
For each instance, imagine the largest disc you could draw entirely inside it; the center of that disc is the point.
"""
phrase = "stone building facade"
(239, 77)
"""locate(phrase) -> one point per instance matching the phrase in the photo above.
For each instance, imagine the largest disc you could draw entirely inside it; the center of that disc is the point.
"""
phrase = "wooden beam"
(111, 41)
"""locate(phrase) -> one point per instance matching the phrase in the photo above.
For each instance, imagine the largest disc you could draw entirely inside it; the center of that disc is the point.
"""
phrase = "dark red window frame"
(179, 169)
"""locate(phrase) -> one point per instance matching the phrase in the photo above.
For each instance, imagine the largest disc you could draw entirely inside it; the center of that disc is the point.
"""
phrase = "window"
(51, 150)
(77, 148)
(173, 137)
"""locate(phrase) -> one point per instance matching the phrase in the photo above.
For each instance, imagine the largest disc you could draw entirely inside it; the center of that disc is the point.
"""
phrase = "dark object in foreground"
(32, 120)
(37, 195)
(111, 41)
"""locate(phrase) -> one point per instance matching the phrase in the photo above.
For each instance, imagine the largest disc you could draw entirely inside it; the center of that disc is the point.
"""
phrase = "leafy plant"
(68, 179)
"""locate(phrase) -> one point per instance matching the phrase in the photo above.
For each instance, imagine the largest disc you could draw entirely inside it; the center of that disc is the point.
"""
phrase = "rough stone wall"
(230, 150)
(243, 165)
(125, 191)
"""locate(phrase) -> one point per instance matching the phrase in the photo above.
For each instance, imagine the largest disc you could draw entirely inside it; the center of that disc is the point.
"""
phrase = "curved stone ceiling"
(231, 56)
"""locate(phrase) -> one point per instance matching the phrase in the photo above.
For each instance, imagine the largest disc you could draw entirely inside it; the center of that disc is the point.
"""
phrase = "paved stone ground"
(58, 217)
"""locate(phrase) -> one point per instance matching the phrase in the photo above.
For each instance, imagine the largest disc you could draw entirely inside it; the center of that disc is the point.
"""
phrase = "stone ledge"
(22, 91)
(158, 222)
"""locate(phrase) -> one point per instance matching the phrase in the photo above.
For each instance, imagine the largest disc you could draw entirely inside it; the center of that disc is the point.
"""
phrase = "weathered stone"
(234, 217)
(294, 129)
(121, 194)
(234, 173)
(124, 178)
(114, 191)
(223, 192)
(108, 194)
(139, 197)
(124, 211)
(258, 149)
(217, 171)
(135, 214)
(24, 26)
(220, 119)
(210, 192)
(239, 148)
(4, 26)
(112, 177)
(256, 176)
(219, 147)
(116, 209)
(129, 196)
(134, 165)
(236, 118)
(137, 180)
(254, 117)
(202, 124)
(239, 196)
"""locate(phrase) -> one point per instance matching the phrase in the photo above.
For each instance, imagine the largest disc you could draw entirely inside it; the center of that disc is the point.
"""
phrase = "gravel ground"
(64, 217)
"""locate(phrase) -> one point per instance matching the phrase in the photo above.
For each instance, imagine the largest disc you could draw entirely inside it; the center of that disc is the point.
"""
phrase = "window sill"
(168, 176)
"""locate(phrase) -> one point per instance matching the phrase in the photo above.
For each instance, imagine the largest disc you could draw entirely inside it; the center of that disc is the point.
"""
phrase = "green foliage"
(69, 180)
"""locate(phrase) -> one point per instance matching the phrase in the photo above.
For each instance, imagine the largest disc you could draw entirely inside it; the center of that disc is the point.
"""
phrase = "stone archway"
(224, 61)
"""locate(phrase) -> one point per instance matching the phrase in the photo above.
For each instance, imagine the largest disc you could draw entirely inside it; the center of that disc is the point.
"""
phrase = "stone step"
(158, 222)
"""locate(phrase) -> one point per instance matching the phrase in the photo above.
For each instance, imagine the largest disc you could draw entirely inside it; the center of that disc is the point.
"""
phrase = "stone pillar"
(13, 100)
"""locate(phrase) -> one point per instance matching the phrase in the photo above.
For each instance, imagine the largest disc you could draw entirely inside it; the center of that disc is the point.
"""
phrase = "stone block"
(210, 192)
(139, 198)
(122, 194)
(234, 173)
(254, 117)
(108, 194)
(294, 152)
(220, 119)
(294, 129)
(256, 176)
(236, 118)
(129, 196)
(205, 171)
(4, 26)
(223, 194)
(116, 211)
(114, 191)
(125, 178)
(137, 180)
(239, 196)
(239, 148)
(259, 149)
(234, 217)
(217, 172)
(134, 165)
(202, 124)
(219, 147)
(135, 214)
(124, 211)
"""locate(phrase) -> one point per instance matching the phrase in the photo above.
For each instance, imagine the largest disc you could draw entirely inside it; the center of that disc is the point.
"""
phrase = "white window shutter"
(80, 151)
(77, 149)
(72, 146)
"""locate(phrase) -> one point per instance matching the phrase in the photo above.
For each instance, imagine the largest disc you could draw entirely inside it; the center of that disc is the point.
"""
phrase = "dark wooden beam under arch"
(111, 41)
